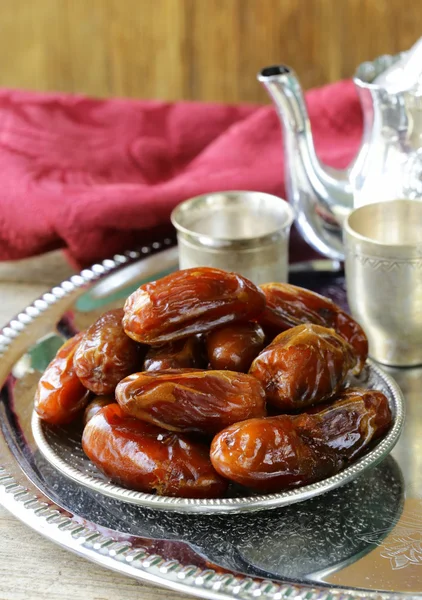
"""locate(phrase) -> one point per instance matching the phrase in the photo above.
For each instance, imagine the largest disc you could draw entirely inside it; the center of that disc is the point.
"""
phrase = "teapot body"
(389, 163)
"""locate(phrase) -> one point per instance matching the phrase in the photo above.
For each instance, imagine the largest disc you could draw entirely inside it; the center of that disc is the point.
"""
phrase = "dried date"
(289, 306)
(181, 354)
(60, 396)
(106, 354)
(146, 458)
(95, 405)
(235, 346)
(188, 302)
(188, 400)
(304, 365)
(276, 453)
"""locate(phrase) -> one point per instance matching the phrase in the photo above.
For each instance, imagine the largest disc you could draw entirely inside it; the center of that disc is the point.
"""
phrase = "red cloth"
(90, 175)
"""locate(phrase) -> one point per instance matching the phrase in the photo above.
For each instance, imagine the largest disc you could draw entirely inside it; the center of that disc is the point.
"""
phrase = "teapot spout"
(320, 196)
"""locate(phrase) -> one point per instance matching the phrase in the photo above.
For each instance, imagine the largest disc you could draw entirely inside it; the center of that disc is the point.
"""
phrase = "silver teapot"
(388, 165)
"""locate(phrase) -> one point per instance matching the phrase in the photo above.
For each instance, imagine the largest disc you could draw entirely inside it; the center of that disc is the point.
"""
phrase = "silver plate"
(62, 448)
(361, 540)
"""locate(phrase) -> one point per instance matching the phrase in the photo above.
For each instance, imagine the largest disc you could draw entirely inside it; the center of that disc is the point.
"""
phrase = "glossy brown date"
(189, 400)
(304, 365)
(60, 396)
(280, 452)
(96, 404)
(188, 302)
(234, 346)
(106, 354)
(146, 458)
(181, 354)
(289, 306)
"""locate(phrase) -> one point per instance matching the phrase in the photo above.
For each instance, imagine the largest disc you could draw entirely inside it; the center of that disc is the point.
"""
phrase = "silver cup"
(245, 232)
(383, 248)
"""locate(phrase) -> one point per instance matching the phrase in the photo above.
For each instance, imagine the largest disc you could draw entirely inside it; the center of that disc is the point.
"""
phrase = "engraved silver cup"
(246, 232)
(383, 247)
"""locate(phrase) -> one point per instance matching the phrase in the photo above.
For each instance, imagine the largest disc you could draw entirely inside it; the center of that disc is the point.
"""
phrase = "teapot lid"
(404, 74)
(393, 74)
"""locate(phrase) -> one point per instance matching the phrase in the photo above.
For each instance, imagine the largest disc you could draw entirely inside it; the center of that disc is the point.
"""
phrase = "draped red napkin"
(96, 176)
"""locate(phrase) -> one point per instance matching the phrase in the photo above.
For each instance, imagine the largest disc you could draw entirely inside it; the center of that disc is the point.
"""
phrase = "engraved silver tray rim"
(34, 509)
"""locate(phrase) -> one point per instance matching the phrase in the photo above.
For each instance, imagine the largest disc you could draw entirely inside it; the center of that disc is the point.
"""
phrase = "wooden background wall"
(193, 49)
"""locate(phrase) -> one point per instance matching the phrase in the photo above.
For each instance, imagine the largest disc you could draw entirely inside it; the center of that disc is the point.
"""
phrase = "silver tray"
(360, 540)
(62, 447)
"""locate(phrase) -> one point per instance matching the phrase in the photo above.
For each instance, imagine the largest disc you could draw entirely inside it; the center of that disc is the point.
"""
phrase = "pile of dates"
(204, 379)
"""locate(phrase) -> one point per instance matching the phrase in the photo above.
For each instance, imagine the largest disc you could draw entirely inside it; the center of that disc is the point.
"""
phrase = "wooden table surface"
(31, 567)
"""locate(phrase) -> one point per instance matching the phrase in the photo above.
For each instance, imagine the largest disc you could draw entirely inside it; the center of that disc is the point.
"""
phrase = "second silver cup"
(383, 247)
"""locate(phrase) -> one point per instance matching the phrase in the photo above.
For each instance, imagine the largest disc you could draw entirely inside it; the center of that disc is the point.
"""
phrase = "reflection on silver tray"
(359, 541)
(62, 448)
